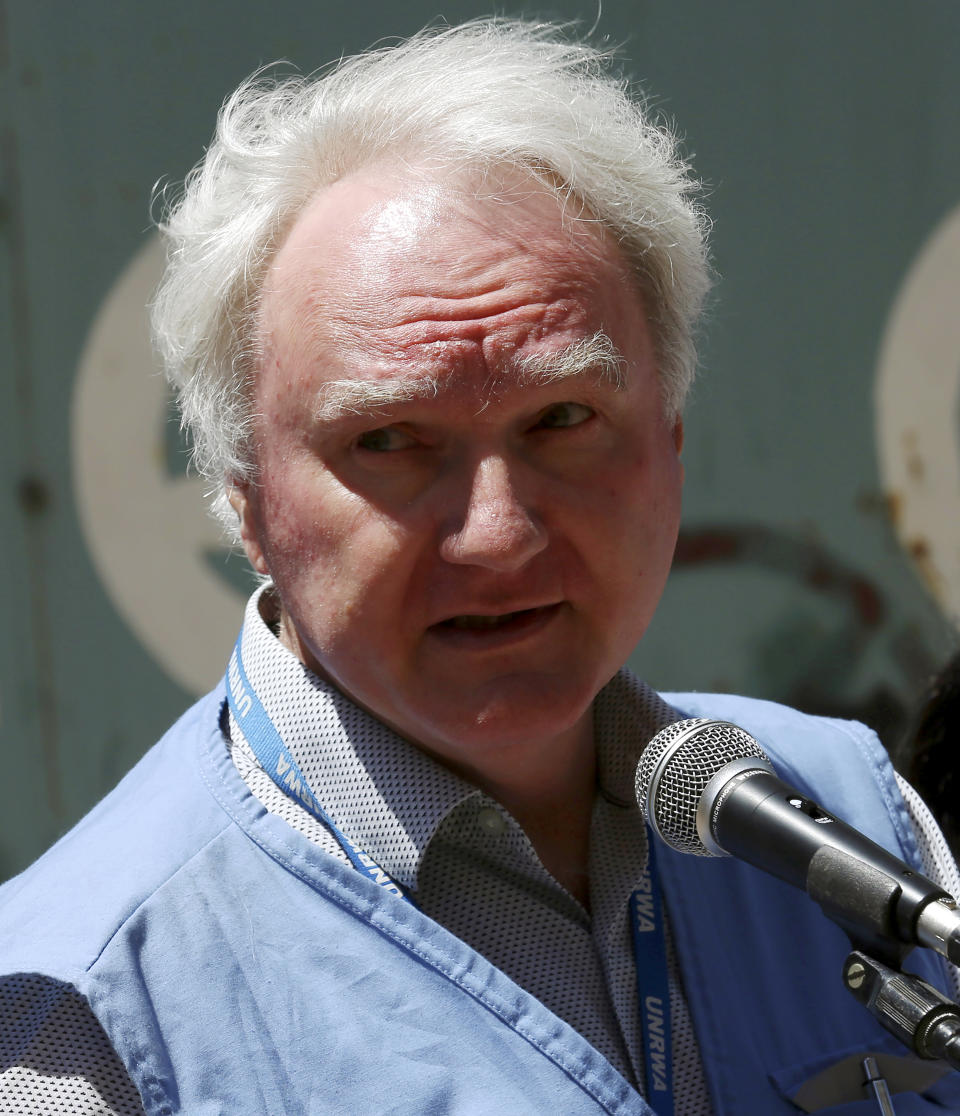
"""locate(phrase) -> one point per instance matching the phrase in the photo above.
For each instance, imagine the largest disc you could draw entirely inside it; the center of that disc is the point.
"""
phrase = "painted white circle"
(147, 531)
(917, 415)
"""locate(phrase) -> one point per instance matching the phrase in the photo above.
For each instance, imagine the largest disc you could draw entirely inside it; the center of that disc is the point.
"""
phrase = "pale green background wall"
(827, 132)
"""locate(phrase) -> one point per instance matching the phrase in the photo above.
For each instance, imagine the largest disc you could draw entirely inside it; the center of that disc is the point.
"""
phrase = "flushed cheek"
(639, 540)
(345, 580)
(631, 511)
(304, 507)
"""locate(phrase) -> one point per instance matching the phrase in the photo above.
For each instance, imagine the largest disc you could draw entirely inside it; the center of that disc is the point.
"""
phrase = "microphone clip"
(913, 1011)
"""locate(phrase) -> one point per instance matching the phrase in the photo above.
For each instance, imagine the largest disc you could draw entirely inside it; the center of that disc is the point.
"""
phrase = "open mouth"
(509, 621)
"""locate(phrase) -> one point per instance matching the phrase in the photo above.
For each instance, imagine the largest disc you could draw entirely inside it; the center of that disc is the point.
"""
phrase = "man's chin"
(515, 721)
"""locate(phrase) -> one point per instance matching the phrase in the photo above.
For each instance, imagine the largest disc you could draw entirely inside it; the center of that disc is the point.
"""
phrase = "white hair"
(489, 93)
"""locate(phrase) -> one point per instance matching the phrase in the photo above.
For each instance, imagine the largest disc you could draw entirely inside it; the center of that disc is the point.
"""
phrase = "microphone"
(707, 787)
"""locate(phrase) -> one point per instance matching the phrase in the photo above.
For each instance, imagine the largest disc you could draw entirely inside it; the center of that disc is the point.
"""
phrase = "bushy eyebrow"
(595, 357)
(361, 397)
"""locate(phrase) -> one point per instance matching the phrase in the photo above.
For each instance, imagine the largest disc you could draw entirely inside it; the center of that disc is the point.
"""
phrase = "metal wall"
(820, 557)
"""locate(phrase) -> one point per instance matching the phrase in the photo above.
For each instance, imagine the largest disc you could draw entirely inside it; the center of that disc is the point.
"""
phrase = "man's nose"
(498, 529)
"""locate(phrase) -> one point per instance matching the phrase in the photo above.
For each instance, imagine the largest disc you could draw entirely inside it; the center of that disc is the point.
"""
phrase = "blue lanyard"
(275, 758)
(653, 992)
(646, 907)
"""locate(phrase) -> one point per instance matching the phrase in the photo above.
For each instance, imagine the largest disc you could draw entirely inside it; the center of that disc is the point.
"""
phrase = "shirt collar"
(383, 793)
(627, 714)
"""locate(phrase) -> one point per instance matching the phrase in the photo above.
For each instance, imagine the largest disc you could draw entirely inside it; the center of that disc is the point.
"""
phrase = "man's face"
(468, 524)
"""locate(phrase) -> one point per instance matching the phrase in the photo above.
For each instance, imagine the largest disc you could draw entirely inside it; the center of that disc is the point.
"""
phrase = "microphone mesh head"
(674, 771)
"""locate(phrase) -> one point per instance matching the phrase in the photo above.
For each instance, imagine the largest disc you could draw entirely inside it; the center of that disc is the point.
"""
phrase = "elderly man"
(430, 320)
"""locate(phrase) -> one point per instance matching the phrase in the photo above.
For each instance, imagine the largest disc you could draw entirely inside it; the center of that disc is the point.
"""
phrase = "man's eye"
(385, 439)
(564, 414)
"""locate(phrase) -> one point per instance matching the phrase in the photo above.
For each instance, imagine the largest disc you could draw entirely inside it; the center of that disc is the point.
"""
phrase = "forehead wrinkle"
(469, 303)
(427, 315)
(426, 325)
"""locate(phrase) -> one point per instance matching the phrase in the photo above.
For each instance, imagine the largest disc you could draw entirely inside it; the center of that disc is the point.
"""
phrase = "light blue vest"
(239, 970)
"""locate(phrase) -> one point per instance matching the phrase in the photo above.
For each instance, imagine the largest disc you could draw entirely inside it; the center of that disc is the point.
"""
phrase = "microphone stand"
(922, 1018)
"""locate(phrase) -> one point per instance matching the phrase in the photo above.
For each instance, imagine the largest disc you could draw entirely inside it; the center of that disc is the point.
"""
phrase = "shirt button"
(491, 820)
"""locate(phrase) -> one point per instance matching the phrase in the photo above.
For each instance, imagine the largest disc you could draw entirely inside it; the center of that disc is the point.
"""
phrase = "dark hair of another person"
(930, 759)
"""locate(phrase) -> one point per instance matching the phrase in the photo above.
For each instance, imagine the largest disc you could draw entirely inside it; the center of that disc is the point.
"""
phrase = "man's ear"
(678, 434)
(239, 495)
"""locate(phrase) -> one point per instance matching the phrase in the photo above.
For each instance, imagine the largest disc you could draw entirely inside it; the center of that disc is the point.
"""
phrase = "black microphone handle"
(872, 894)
